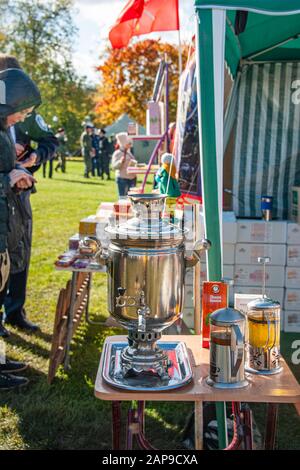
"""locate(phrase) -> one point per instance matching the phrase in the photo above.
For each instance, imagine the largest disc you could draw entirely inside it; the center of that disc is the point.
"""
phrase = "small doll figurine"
(167, 182)
(166, 177)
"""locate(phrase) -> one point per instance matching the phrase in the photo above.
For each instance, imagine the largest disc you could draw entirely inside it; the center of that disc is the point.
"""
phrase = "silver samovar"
(146, 262)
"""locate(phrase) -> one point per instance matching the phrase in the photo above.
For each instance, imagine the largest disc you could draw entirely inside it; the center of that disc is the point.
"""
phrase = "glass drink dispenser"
(227, 349)
(264, 336)
(263, 332)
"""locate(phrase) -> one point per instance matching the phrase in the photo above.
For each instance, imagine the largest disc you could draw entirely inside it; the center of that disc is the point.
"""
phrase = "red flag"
(142, 17)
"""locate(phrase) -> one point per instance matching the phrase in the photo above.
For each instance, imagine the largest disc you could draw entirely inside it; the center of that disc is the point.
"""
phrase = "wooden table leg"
(70, 320)
(271, 426)
(198, 425)
(116, 425)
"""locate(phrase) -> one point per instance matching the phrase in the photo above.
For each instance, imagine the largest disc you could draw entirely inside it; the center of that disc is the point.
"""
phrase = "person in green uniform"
(87, 150)
(32, 131)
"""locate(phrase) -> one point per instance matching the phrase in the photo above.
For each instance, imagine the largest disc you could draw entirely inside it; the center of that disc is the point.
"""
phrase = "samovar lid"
(263, 303)
(226, 316)
(148, 223)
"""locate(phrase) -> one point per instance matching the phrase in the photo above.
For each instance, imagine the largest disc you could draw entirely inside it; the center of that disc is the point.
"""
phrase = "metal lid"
(148, 223)
(263, 303)
(226, 316)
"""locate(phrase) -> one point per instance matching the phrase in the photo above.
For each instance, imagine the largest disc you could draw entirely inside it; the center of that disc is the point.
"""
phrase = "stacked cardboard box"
(292, 279)
(257, 238)
(229, 241)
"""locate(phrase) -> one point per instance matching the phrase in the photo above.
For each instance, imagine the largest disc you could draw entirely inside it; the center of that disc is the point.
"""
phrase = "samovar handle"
(240, 346)
(199, 247)
(96, 249)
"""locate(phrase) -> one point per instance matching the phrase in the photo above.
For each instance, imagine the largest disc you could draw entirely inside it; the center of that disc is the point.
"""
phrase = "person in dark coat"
(18, 97)
(95, 158)
(104, 154)
(32, 129)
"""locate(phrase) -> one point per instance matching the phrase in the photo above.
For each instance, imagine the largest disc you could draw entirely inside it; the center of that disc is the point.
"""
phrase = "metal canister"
(227, 349)
(266, 207)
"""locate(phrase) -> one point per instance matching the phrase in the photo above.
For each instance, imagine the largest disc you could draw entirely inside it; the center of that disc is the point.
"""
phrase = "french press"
(263, 332)
(227, 349)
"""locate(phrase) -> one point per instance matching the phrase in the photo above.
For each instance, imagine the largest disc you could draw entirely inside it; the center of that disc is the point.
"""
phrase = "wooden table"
(275, 389)
(73, 303)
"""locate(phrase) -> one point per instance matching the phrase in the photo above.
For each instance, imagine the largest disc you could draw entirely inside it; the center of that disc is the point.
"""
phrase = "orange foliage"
(127, 80)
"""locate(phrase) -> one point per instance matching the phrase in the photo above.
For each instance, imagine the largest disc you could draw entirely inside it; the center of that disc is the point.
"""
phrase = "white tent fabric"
(267, 153)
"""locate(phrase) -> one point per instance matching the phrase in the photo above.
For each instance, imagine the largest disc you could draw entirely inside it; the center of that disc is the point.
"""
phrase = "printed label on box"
(214, 296)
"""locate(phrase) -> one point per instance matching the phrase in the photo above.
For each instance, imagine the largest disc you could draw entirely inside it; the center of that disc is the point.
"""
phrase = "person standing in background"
(87, 150)
(122, 159)
(104, 154)
(62, 150)
(50, 173)
(95, 158)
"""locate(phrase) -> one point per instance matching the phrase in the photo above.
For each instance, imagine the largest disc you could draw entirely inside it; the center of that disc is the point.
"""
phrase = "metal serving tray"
(180, 372)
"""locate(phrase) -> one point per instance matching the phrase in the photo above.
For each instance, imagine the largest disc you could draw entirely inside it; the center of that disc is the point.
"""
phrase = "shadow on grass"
(94, 183)
(18, 340)
(66, 415)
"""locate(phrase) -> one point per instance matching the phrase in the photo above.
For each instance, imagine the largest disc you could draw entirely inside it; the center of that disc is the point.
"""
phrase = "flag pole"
(179, 53)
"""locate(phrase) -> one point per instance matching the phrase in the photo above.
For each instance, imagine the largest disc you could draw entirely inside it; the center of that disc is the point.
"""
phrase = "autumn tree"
(127, 79)
(41, 34)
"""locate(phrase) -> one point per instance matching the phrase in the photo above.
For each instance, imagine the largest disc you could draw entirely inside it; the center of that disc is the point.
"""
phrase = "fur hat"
(123, 139)
(167, 158)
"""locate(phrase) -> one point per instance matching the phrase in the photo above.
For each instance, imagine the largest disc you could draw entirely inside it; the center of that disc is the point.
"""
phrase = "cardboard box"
(251, 275)
(293, 233)
(241, 301)
(259, 231)
(295, 205)
(88, 226)
(248, 253)
(188, 317)
(293, 255)
(229, 227)
(228, 254)
(275, 293)
(292, 299)
(189, 277)
(292, 321)
(189, 297)
(228, 272)
(154, 124)
(229, 223)
(214, 297)
(292, 277)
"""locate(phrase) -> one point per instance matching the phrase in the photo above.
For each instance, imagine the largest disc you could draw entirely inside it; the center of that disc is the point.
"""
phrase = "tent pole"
(211, 147)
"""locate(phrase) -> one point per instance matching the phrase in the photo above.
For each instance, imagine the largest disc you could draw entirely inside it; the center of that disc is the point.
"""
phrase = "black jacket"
(35, 129)
(17, 92)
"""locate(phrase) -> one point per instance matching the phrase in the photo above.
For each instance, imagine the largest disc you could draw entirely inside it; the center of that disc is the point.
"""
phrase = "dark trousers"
(104, 165)
(17, 283)
(50, 168)
(124, 185)
(96, 166)
(16, 294)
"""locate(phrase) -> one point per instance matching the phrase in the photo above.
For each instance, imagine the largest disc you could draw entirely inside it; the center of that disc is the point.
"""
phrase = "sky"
(93, 18)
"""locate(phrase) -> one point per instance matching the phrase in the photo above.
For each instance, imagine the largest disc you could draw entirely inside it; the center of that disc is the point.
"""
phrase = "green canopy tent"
(235, 32)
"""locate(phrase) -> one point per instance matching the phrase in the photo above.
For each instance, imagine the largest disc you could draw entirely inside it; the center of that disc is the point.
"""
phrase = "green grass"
(66, 415)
